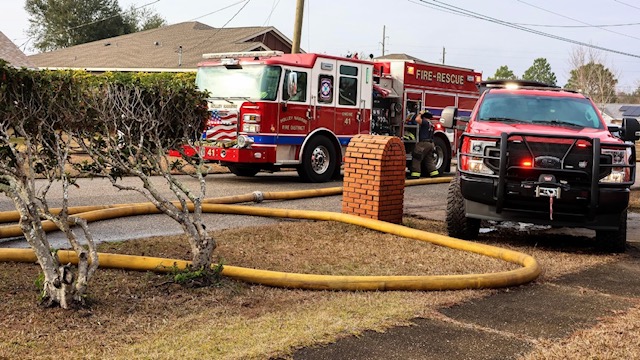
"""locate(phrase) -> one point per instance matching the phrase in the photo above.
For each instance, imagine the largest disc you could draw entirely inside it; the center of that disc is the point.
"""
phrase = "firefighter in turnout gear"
(423, 150)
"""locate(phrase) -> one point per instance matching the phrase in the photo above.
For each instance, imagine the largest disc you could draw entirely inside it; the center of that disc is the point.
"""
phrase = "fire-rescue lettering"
(428, 75)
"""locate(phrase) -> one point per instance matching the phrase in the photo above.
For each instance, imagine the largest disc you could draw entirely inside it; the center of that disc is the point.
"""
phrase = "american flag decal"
(221, 126)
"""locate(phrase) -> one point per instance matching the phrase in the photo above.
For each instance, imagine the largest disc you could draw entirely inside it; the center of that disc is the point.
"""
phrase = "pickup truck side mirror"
(630, 129)
(449, 116)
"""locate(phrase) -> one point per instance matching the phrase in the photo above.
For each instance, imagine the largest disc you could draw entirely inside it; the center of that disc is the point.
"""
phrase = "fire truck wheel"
(442, 156)
(614, 240)
(319, 160)
(458, 225)
(240, 170)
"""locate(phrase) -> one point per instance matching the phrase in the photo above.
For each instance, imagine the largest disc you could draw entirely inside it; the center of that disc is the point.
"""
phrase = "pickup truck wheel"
(247, 171)
(614, 240)
(458, 224)
(319, 160)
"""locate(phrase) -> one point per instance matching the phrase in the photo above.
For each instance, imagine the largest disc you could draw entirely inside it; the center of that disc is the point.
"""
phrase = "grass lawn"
(135, 315)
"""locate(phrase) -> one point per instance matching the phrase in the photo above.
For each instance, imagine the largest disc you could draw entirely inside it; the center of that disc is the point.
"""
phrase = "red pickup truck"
(541, 154)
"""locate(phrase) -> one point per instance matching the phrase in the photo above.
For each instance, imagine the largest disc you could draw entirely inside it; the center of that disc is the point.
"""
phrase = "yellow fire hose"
(529, 271)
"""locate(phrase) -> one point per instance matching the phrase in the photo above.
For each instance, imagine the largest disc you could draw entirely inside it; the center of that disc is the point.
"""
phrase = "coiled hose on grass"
(529, 271)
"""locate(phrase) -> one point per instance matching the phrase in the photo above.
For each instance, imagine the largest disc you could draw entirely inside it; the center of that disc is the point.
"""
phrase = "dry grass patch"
(616, 337)
(142, 315)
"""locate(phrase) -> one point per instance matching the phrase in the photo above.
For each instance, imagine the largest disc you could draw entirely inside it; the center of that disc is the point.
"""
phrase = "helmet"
(409, 136)
(427, 114)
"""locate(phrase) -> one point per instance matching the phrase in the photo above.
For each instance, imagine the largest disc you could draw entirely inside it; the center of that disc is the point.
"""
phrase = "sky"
(423, 28)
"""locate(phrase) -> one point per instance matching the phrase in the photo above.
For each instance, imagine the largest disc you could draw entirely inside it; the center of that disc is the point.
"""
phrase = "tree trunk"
(202, 246)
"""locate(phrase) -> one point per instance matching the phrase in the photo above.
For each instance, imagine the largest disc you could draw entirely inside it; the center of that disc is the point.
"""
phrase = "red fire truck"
(271, 110)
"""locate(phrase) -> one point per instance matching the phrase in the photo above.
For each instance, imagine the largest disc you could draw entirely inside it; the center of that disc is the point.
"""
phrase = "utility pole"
(384, 29)
(297, 27)
(443, 53)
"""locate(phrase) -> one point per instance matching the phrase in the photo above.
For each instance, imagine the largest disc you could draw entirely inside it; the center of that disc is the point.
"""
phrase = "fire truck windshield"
(249, 82)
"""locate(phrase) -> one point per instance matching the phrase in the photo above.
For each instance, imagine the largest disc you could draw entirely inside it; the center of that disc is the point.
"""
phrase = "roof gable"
(10, 53)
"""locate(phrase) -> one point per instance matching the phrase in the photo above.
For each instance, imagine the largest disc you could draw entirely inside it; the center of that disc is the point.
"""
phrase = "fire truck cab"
(271, 110)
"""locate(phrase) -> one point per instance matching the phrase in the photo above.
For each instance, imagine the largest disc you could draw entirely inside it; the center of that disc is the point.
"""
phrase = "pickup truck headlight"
(476, 164)
(618, 157)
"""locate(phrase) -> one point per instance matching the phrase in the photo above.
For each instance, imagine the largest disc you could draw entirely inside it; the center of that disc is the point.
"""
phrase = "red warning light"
(582, 144)
(526, 163)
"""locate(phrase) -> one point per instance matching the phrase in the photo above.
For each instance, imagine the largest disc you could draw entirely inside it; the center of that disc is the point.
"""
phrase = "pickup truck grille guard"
(564, 152)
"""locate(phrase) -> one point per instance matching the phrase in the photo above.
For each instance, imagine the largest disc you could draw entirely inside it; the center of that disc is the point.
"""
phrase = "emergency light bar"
(245, 54)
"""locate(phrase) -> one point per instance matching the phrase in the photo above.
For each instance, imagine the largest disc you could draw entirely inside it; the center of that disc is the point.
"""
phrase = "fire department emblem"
(325, 89)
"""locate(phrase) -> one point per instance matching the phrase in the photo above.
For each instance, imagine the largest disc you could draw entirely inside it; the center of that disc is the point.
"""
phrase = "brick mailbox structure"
(374, 175)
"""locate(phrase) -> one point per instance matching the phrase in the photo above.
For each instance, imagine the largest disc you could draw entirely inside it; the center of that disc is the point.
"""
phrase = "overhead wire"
(111, 17)
(445, 6)
(273, 8)
(578, 26)
(220, 28)
(217, 11)
(30, 38)
(629, 5)
(576, 20)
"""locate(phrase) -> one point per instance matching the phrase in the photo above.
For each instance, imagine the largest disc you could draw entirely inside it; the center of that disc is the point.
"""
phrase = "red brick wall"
(374, 175)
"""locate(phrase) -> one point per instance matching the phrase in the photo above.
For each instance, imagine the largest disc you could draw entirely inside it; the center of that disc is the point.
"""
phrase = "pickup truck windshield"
(257, 82)
(542, 110)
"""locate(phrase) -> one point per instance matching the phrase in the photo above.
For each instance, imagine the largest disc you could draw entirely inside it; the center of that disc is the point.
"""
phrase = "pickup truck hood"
(495, 128)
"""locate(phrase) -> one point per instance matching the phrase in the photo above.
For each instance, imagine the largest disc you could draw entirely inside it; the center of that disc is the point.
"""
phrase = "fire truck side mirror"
(448, 117)
(292, 84)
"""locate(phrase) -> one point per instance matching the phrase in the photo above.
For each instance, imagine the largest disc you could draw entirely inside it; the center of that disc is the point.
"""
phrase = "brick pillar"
(374, 175)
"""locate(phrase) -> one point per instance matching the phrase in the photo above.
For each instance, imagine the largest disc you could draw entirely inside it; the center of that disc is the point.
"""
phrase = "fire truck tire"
(442, 155)
(319, 160)
(247, 171)
(458, 224)
(614, 241)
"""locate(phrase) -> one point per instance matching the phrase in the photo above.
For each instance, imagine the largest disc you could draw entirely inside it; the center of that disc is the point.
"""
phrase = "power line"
(434, 7)
(479, 16)
(216, 11)
(578, 26)
(273, 8)
(30, 38)
(110, 17)
(220, 28)
(629, 5)
(576, 20)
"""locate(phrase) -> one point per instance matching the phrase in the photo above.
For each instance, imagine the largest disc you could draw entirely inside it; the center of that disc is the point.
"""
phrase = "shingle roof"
(10, 53)
(174, 46)
(619, 111)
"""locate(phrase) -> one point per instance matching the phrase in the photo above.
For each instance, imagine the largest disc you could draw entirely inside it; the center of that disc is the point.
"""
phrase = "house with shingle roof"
(10, 53)
(614, 113)
(177, 47)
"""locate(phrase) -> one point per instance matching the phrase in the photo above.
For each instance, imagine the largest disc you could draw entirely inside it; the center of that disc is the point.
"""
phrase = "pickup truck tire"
(319, 160)
(246, 171)
(614, 241)
(458, 225)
